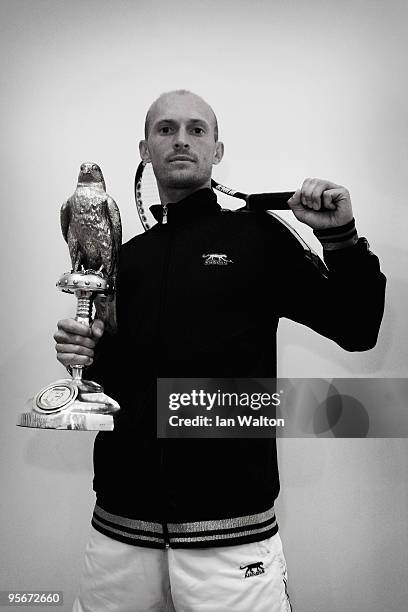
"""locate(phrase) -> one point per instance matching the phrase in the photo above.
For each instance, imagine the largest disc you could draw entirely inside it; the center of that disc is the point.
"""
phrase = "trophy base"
(71, 421)
(72, 404)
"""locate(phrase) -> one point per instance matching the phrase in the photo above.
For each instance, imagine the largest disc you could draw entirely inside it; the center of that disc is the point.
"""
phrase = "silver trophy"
(91, 225)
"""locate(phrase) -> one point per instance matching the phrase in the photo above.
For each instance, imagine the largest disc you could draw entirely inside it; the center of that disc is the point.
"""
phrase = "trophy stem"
(77, 372)
(84, 316)
(84, 306)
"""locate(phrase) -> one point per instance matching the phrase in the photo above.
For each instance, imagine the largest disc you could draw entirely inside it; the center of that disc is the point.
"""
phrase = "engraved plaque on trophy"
(91, 225)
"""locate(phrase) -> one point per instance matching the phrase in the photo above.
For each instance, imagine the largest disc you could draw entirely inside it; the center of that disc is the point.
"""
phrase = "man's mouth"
(181, 158)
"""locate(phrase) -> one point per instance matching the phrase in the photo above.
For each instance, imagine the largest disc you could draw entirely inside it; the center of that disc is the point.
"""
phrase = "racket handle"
(269, 201)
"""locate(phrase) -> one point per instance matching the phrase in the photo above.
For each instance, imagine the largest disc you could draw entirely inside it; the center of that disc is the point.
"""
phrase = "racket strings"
(146, 195)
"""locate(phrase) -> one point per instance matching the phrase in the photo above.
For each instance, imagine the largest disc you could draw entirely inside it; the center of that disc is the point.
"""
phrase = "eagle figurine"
(91, 225)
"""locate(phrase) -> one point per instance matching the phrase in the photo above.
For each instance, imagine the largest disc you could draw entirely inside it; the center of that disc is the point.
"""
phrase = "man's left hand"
(321, 204)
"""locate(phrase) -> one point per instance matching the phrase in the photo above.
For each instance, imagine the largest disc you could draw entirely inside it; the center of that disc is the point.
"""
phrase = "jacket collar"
(198, 204)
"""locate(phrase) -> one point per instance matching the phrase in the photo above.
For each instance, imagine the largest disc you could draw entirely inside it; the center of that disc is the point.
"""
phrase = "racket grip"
(269, 201)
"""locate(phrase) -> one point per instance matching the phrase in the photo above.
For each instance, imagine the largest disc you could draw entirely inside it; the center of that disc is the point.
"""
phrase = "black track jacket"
(179, 317)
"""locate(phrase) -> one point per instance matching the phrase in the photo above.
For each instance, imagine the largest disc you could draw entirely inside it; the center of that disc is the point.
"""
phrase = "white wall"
(301, 89)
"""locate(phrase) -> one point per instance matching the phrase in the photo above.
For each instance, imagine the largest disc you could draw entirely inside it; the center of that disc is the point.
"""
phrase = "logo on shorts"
(217, 259)
(253, 569)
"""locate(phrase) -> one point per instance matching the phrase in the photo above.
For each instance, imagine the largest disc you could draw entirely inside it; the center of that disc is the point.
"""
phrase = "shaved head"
(173, 94)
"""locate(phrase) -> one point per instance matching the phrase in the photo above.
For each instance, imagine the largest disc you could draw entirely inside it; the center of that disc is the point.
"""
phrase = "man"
(190, 524)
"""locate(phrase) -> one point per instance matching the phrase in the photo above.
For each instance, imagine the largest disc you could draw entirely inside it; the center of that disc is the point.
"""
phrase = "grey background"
(300, 89)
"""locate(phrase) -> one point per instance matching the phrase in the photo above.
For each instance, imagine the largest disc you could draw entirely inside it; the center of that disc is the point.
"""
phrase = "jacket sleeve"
(342, 300)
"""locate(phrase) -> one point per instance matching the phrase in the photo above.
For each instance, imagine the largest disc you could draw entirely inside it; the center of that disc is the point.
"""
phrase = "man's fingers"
(316, 195)
(75, 342)
(70, 326)
(294, 201)
(74, 349)
(62, 337)
(327, 198)
(97, 328)
(312, 191)
(306, 193)
(334, 195)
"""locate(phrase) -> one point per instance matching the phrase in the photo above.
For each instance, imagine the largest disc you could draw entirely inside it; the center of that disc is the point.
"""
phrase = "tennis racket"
(146, 194)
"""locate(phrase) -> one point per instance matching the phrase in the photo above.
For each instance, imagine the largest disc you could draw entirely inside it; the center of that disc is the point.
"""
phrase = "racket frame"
(256, 201)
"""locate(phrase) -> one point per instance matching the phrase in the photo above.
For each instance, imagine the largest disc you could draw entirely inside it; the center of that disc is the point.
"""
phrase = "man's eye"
(198, 130)
(165, 129)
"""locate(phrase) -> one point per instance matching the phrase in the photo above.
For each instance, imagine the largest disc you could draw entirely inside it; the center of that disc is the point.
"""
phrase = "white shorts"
(120, 577)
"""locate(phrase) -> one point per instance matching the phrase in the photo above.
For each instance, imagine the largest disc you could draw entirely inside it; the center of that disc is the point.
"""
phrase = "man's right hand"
(75, 342)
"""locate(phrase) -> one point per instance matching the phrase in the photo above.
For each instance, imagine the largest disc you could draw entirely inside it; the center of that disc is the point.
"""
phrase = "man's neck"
(169, 194)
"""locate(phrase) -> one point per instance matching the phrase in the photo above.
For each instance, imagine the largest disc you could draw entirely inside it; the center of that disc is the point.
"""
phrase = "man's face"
(181, 144)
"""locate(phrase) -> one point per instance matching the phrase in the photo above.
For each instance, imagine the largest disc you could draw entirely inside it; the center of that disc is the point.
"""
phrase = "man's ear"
(144, 151)
(218, 153)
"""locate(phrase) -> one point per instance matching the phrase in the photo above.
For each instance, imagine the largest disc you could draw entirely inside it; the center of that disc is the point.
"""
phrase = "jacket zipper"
(166, 536)
(162, 318)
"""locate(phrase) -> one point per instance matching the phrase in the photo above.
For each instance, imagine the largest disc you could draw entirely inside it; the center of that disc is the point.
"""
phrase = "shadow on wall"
(344, 408)
(319, 409)
(344, 415)
(59, 451)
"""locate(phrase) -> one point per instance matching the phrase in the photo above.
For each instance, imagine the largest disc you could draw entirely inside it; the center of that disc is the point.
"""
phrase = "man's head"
(181, 141)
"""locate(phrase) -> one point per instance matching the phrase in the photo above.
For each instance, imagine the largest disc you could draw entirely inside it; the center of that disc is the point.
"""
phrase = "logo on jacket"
(253, 569)
(217, 259)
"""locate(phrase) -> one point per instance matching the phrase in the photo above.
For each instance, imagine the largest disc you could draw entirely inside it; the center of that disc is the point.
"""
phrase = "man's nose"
(181, 140)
